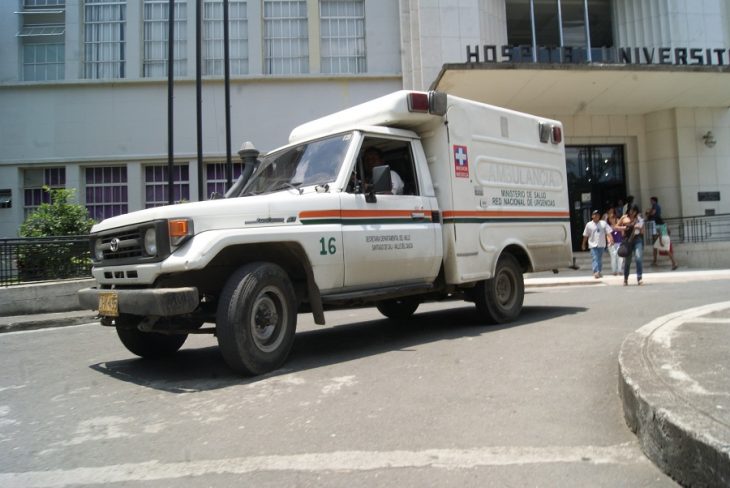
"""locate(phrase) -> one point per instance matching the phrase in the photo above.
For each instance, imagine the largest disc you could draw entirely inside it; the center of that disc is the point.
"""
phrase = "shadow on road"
(203, 369)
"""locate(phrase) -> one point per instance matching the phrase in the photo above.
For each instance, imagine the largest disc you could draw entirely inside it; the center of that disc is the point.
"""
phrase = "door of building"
(596, 180)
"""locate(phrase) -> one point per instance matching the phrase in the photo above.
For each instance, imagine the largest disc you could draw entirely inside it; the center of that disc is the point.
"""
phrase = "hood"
(218, 214)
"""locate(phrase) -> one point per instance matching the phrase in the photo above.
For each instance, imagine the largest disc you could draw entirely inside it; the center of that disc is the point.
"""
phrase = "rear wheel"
(256, 318)
(500, 298)
(148, 345)
(398, 308)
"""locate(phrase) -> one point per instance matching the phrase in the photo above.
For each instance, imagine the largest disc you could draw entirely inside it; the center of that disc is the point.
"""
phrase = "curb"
(678, 437)
(32, 322)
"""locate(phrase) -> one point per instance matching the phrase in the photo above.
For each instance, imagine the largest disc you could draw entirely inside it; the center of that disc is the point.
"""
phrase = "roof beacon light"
(418, 102)
(557, 135)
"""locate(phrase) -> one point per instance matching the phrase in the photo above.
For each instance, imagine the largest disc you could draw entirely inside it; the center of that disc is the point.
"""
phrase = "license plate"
(109, 304)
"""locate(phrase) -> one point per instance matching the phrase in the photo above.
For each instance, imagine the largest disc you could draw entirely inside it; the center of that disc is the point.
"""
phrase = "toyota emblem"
(114, 244)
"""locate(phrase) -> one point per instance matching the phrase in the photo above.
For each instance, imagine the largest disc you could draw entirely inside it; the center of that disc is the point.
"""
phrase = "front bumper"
(160, 302)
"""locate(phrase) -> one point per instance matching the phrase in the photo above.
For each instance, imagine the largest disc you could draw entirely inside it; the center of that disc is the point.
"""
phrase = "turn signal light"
(179, 230)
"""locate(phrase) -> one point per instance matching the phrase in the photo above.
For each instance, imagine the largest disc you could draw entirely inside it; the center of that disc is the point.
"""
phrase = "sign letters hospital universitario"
(677, 56)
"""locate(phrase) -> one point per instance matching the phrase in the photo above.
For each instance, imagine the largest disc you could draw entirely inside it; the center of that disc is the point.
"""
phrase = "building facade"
(642, 87)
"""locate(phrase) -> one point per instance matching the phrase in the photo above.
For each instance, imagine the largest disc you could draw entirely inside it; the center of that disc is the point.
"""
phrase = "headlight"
(98, 251)
(150, 241)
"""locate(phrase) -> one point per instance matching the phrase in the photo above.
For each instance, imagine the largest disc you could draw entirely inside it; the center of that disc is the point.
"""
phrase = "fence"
(703, 228)
(34, 259)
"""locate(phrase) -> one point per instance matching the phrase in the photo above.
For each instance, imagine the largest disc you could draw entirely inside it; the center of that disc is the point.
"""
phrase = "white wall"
(702, 168)
(103, 121)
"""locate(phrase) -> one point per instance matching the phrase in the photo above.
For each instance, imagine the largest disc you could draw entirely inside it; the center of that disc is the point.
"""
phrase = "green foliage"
(61, 217)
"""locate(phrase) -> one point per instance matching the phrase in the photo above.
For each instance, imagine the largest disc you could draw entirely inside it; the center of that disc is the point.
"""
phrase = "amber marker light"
(179, 230)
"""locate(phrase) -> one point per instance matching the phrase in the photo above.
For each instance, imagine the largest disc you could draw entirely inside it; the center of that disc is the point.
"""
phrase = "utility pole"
(199, 91)
(227, 88)
(170, 79)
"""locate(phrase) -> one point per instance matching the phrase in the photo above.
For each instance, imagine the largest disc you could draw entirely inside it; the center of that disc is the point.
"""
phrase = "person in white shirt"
(597, 236)
(374, 157)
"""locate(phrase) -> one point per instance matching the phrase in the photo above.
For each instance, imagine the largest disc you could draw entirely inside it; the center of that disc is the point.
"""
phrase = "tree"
(44, 259)
(61, 217)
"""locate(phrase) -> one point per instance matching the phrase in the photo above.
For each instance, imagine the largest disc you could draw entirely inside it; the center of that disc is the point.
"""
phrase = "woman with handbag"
(632, 226)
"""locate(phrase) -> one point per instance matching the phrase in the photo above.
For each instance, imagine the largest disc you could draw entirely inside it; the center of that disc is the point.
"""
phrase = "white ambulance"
(410, 197)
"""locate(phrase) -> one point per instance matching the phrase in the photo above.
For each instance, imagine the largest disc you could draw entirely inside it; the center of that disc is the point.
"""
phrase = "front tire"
(398, 308)
(500, 298)
(148, 345)
(256, 318)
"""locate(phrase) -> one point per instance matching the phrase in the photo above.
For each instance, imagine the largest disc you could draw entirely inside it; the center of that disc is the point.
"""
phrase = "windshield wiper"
(285, 185)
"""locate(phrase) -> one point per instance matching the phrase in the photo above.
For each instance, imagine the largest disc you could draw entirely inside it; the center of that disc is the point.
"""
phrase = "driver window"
(394, 153)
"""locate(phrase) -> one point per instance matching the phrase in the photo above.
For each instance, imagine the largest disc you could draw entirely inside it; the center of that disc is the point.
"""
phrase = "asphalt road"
(439, 401)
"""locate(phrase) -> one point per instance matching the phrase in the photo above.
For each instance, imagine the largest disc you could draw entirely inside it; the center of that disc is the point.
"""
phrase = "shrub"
(57, 258)
(61, 217)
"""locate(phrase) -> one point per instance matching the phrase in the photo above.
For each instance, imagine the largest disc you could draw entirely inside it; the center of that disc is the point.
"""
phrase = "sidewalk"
(674, 382)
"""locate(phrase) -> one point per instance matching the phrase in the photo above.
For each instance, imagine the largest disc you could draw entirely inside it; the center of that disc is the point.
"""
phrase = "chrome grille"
(123, 245)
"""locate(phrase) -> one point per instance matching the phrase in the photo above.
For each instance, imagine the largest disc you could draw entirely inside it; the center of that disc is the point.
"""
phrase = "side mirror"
(381, 183)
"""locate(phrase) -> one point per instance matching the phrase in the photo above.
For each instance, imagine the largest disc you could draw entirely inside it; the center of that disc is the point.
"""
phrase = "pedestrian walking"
(660, 233)
(617, 262)
(596, 236)
(632, 226)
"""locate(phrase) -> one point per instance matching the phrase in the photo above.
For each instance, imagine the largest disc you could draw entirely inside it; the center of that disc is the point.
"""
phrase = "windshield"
(311, 163)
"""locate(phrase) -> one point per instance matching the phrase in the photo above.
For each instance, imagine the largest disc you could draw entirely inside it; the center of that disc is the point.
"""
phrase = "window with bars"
(215, 177)
(42, 36)
(106, 191)
(104, 38)
(213, 37)
(286, 37)
(342, 31)
(156, 30)
(34, 181)
(155, 184)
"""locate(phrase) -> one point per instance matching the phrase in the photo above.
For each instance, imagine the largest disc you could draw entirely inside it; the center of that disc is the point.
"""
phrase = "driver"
(374, 157)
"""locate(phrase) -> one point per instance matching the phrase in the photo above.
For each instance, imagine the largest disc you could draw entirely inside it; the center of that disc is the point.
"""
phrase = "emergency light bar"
(550, 133)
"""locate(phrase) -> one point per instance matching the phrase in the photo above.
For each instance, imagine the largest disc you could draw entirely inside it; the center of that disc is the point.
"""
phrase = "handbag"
(662, 243)
(624, 249)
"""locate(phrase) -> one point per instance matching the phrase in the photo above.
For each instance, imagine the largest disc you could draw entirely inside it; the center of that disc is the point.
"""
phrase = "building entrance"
(596, 180)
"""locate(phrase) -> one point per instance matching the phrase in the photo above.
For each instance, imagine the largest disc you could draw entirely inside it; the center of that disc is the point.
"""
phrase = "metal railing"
(34, 259)
(702, 228)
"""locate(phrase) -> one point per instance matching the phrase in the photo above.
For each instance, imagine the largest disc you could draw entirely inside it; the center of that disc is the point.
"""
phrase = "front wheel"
(148, 345)
(500, 298)
(398, 308)
(256, 318)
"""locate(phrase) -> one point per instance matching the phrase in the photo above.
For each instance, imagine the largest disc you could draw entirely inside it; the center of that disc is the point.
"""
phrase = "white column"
(254, 16)
(134, 39)
(74, 40)
(135, 186)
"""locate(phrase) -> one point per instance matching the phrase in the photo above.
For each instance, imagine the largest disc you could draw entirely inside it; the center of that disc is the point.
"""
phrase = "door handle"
(418, 215)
